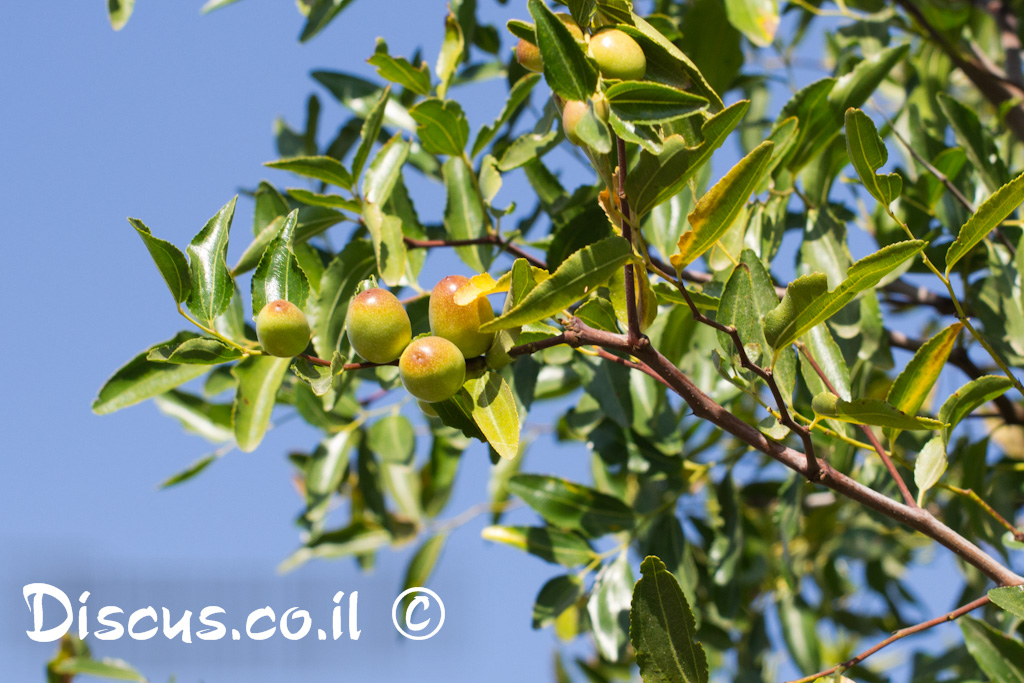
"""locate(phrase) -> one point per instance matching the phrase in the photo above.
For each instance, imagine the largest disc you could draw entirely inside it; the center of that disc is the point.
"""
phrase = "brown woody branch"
(902, 633)
(495, 239)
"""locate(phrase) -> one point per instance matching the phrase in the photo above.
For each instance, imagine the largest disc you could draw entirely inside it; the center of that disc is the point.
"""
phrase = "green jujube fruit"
(282, 329)
(378, 326)
(432, 369)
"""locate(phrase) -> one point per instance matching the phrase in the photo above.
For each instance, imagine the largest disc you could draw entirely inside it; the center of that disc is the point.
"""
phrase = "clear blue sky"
(165, 121)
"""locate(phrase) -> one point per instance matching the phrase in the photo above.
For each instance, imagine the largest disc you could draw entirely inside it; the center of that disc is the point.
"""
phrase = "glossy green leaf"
(141, 378)
(325, 201)
(443, 128)
(494, 412)
(465, 216)
(119, 12)
(649, 102)
(388, 243)
(358, 538)
(969, 397)
(452, 49)
(987, 218)
(212, 286)
(868, 154)
(385, 171)
(517, 97)
(570, 73)
(585, 269)
(556, 596)
(930, 466)
(321, 13)
(337, 287)
(325, 169)
(372, 122)
(422, 564)
(913, 385)
(808, 302)
(1010, 598)
(999, 656)
(869, 411)
(609, 606)
(194, 351)
(978, 144)
(399, 70)
(526, 148)
(110, 669)
(715, 212)
(657, 177)
(551, 545)
(259, 378)
(169, 261)
(326, 469)
(567, 505)
(393, 438)
(599, 314)
(662, 629)
(254, 252)
(190, 472)
(212, 421)
(278, 276)
(758, 20)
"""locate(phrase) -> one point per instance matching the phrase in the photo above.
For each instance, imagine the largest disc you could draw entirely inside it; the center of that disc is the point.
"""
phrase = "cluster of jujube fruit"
(432, 368)
(618, 57)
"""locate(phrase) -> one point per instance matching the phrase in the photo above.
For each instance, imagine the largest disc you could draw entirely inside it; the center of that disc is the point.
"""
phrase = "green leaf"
(337, 287)
(556, 596)
(385, 170)
(141, 378)
(254, 252)
(599, 314)
(119, 12)
(999, 656)
(608, 607)
(320, 15)
(987, 218)
(587, 268)
(259, 378)
(212, 286)
(358, 538)
(715, 212)
(325, 201)
(568, 505)
(662, 629)
(517, 97)
(977, 142)
(649, 102)
(399, 70)
(868, 154)
(370, 130)
(211, 5)
(111, 669)
(424, 561)
(970, 396)
(169, 261)
(657, 177)
(393, 438)
(278, 275)
(930, 466)
(1010, 598)
(326, 469)
(325, 169)
(912, 386)
(194, 351)
(452, 49)
(807, 301)
(494, 412)
(758, 20)
(212, 421)
(190, 472)
(465, 216)
(388, 243)
(869, 411)
(549, 544)
(570, 73)
(443, 128)
(319, 378)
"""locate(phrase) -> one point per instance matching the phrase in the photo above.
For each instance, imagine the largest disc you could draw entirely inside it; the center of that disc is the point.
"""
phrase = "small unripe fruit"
(572, 113)
(460, 324)
(601, 106)
(432, 369)
(282, 329)
(428, 408)
(618, 55)
(570, 23)
(528, 55)
(378, 326)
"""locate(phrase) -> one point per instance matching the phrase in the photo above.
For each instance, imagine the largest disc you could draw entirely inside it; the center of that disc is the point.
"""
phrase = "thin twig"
(872, 439)
(495, 239)
(902, 633)
(1018, 535)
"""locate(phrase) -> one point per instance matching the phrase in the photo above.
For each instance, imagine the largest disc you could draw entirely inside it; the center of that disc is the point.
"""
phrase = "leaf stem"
(245, 351)
(632, 319)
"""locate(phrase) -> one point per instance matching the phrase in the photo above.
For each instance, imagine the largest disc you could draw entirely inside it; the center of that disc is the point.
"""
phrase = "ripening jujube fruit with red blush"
(460, 324)
(528, 55)
(378, 326)
(618, 55)
(432, 369)
(572, 113)
(282, 329)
